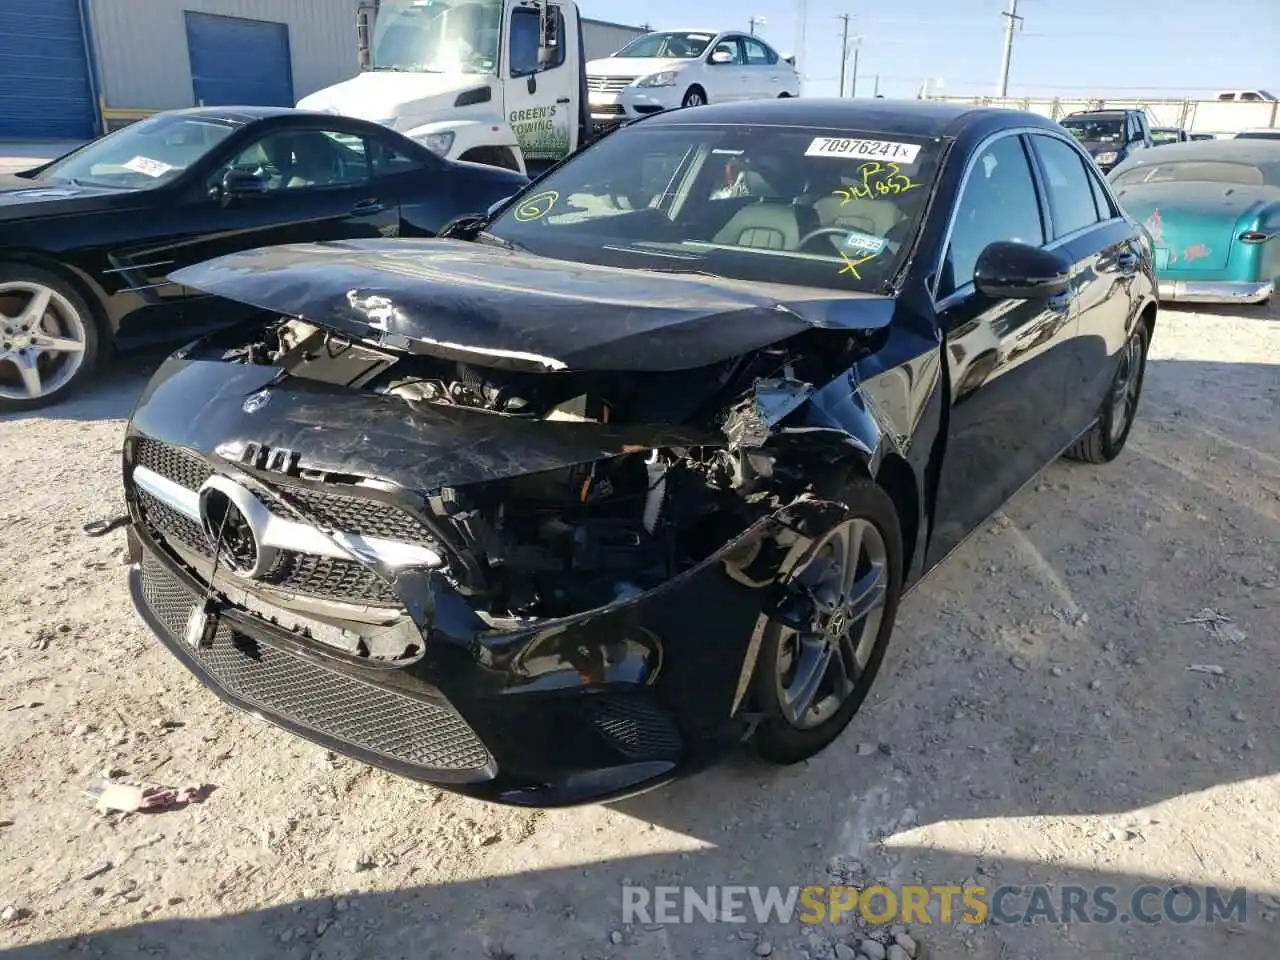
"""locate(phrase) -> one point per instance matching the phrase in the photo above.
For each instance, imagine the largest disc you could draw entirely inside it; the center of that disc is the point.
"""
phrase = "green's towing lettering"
(542, 135)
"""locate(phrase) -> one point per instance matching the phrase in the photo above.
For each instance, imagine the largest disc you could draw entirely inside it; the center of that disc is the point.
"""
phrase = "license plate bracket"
(202, 625)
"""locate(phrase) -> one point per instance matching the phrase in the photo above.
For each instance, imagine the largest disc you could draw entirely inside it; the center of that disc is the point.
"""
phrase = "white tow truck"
(490, 81)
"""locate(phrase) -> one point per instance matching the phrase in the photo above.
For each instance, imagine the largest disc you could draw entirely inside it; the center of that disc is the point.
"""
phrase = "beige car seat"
(763, 226)
(876, 217)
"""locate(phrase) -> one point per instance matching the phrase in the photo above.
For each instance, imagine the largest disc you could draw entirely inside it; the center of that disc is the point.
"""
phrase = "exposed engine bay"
(560, 542)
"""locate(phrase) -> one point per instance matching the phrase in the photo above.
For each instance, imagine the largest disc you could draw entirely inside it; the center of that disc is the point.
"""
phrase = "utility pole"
(754, 22)
(802, 17)
(853, 81)
(877, 87)
(1011, 21)
(844, 50)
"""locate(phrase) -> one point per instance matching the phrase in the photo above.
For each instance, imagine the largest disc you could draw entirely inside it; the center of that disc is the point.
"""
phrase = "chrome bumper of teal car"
(1216, 291)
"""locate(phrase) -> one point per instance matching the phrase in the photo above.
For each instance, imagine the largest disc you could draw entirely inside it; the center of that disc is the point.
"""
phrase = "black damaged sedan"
(639, 467)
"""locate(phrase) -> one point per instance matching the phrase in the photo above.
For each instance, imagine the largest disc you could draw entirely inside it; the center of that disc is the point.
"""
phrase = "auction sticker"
(145, 165)
(864, 242)
(869, 149)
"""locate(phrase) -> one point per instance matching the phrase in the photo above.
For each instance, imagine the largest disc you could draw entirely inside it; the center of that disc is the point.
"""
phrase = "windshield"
(149, 153)
(1100, 129)
(668, 46)
(437, 36)
(776, 204)
(1213, 171)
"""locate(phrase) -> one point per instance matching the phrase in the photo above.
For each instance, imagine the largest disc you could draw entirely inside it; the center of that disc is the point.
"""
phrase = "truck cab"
(490, 81)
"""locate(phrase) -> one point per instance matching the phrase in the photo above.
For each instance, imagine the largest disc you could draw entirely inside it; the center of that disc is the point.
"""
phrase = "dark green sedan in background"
(1213, 210)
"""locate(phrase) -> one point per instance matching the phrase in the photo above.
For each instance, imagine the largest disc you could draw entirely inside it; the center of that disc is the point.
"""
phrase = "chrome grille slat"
(609, 84)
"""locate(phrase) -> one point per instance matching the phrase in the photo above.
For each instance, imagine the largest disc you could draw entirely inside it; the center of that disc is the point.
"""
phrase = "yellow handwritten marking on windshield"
(893, 182)
(851, 266)
(537, 206)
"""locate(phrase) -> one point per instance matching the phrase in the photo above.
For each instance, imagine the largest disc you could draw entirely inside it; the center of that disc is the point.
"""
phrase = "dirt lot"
(1038, 719)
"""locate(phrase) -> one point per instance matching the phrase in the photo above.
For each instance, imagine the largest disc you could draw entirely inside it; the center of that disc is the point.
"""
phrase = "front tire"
(696, 97)
(1106, 438)
(49, 342)
(820, 654)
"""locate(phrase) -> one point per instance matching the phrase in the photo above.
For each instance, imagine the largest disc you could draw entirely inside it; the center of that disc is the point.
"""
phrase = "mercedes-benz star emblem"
(233, 520)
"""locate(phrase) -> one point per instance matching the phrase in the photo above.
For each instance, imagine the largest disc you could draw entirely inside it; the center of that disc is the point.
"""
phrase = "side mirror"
(240, 184)
(721, 57)
(1018, 271)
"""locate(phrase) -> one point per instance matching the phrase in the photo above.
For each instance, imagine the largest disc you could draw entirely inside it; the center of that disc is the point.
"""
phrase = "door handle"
(368, 206)
(563, 100)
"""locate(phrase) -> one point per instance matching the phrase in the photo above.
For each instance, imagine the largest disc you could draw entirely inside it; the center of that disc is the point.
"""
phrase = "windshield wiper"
(484, 236)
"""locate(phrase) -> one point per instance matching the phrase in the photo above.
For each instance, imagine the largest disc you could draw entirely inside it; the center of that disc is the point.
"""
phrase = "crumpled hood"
(487, 305)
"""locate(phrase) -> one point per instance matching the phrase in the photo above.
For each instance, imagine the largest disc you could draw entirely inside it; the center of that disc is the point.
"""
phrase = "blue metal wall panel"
(45, 91)
(236, 61)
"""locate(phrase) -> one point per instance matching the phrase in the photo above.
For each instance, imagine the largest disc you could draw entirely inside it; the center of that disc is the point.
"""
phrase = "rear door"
(764, 79)
(1086, 225)
(1005, 358)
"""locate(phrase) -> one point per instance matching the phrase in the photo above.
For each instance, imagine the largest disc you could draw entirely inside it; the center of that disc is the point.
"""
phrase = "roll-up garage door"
(236, 61)
(45, 91)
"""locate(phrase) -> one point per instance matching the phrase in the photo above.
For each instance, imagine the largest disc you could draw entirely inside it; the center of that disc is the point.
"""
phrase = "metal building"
(602, 39)
(72, 68)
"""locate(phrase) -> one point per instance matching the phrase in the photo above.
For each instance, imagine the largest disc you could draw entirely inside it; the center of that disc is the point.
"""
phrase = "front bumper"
(557, 712)
(632, 103)
(1216, 291)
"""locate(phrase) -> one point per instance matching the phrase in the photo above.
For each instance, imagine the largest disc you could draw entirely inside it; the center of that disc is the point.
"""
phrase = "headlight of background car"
(1107, 157)
(438, 143)
(667, 78)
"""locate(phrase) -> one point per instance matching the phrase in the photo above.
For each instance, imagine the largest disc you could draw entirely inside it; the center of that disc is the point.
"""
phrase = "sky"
(1176, 48)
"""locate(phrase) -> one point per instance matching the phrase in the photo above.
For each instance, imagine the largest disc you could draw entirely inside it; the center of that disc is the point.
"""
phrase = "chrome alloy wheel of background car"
(42, 340)
(1128, 385)
(827, 642)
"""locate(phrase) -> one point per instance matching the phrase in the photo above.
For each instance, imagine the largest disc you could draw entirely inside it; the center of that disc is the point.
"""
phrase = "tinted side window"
(998, 202)
(297, 159)
(1100, 199)
(731, 46)
(388, 161)
(1070, 192)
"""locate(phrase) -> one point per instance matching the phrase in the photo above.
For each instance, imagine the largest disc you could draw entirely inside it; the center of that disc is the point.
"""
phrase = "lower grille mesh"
(351, 710)
(636, 729)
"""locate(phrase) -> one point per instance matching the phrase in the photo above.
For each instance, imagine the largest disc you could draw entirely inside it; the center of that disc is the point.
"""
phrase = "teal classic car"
(1213, 211)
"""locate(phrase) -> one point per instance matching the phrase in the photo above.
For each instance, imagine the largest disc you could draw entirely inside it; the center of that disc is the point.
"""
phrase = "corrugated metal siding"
(142, 45)
(605, 39)
(44, 71)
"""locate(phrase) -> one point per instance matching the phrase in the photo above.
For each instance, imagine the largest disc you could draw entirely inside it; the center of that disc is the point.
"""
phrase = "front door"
(729, 80)
(540, 98)
(319, 186)
(1005, 358)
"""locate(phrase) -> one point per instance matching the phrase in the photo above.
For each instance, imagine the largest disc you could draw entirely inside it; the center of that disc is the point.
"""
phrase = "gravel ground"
(1036, 723)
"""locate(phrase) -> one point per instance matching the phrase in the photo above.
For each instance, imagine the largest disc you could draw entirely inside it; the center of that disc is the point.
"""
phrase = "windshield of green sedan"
(437, 36)
(1096, 129)
(146, 154)
(793, 205)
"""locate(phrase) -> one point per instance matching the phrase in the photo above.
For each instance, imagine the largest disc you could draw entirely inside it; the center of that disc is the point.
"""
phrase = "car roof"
(916, 118)
(1100, 113)
(243, 115)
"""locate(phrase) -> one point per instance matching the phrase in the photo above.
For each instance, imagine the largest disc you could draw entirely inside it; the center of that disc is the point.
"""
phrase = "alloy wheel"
(831, 623)
(694, 99)
(42, 340)
(1124, 394)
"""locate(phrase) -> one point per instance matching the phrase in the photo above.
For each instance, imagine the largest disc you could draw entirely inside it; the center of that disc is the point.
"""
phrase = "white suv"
(686, 68)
